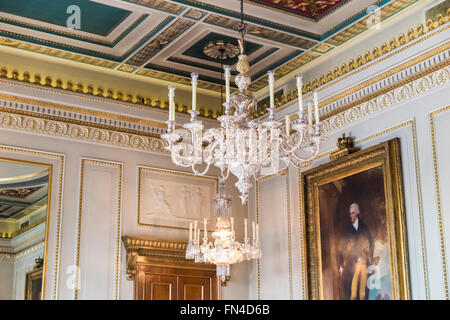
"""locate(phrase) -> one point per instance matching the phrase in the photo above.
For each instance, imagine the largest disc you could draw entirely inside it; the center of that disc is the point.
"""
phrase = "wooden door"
(172, 282)
(194, 288)
(160, 287)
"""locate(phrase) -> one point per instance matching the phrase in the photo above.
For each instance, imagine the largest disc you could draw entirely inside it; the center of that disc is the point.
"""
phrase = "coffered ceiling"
(167, 39)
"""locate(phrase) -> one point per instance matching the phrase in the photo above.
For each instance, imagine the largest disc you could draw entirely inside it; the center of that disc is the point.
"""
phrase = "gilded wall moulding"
(76, 115)
(385, 100)
(80, 132)
(6, 255)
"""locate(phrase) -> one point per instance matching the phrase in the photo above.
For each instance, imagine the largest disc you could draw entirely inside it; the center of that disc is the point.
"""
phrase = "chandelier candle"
(288, 126)
(205, 234)
(316, 106)
(194, 78)
(195, 229)
(227, 83)
(299, 81)
(271, 75)
(190, 231)
(245, 228)
(171, 103)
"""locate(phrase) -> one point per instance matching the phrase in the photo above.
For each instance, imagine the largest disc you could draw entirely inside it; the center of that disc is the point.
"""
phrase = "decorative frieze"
(386, 100)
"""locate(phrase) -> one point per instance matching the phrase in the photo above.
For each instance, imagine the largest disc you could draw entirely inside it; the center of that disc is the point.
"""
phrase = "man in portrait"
(355, 253)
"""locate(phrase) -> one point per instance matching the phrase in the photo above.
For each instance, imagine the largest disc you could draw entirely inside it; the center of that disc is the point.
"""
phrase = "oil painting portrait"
(355, 251)
(355, 231)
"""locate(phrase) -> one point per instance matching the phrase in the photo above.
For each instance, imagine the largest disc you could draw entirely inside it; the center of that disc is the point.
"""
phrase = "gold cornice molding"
(11, 249)
(68, 86)
(25, 229)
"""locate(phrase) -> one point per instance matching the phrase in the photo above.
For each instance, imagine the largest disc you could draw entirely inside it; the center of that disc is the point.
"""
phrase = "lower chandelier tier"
(224, 250)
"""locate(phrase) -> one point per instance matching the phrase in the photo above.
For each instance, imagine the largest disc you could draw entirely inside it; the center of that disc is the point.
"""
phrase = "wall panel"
(99, 230)
(275, 266)
(440, 131)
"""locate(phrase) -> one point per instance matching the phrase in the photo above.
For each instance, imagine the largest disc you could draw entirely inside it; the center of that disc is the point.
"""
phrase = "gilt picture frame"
(355, 228)
(33, 284)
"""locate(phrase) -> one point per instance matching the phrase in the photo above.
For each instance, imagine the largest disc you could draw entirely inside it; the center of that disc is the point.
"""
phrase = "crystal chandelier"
(246, 147)
(224, 250)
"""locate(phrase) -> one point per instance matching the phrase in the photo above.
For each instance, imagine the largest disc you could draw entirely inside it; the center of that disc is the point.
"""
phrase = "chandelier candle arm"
(227, 83)
(194, 77)
(316, 106)
(171, 103)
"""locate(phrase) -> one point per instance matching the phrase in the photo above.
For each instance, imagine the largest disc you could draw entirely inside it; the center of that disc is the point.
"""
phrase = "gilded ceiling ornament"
(221, 49)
